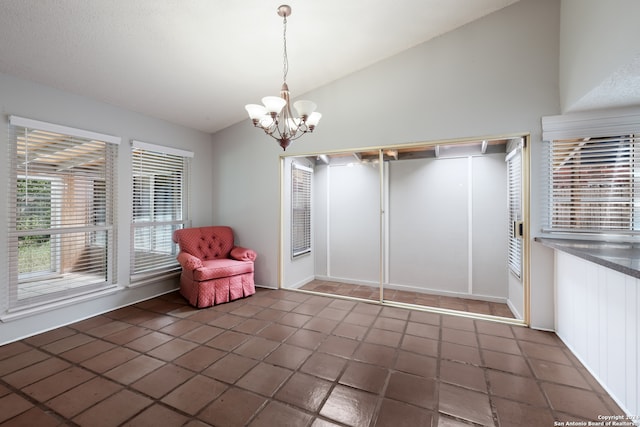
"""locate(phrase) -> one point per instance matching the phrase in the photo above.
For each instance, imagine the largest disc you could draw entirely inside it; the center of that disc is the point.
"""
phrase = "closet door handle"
(518, 228)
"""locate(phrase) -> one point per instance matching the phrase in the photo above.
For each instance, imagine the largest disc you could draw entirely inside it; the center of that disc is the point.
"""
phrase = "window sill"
(27, 311)
(146, 279)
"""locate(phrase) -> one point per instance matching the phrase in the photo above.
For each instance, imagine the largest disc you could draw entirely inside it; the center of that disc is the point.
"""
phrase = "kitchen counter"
(618, 256)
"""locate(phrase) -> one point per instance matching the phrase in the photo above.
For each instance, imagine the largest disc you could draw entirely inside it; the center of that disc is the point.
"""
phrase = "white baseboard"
(301, 283)
(514, 310)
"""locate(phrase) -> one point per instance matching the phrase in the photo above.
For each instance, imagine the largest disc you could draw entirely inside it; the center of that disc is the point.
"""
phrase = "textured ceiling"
(198, 62)
(621, 89)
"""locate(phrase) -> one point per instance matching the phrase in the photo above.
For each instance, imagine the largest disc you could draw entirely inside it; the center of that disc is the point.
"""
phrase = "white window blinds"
(514, 183)
(160, 206)
(594, 186)
(62, 211)
(300, 209)
(593, 170)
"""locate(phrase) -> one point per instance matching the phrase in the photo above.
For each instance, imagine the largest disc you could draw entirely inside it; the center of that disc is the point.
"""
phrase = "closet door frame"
(383, 151)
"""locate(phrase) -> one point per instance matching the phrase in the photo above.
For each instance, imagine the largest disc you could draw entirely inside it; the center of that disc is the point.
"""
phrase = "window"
(62, 211)
(160, 206)
(593, 172)
(300, 209)
(514, 190)
(593, 184)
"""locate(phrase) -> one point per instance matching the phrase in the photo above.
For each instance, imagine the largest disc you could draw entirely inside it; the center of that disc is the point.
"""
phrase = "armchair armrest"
(243, 254)
(188, 261)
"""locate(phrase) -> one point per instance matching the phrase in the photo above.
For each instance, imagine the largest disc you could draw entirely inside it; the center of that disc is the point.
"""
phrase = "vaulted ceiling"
(198, 62)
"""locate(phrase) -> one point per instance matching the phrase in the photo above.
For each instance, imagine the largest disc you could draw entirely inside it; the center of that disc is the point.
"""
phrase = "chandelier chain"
(285, 59)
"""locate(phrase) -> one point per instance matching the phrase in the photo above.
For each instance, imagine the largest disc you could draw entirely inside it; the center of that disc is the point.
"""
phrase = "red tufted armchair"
(214, 271)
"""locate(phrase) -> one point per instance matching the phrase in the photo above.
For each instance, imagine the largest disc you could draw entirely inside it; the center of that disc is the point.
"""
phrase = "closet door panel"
(490, 226)
(354, 224)
(428, 225)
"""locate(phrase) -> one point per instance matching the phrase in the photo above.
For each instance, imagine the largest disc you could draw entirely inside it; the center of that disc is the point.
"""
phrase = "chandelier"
(275, 117)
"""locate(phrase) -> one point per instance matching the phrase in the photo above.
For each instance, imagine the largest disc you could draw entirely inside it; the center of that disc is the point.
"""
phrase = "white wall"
(598, 318)
(39, 102)
(596, 307)
(597, 39)
(494, 76)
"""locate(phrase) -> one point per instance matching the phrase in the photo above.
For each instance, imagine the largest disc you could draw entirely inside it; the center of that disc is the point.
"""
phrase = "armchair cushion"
(216, 268)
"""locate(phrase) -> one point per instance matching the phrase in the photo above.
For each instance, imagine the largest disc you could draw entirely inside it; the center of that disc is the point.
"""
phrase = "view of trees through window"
(33, 214)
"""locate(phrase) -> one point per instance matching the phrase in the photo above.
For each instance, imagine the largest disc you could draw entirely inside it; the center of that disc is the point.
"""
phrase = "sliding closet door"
(448, 234)
(353, 226)
(428, 226)
(420, 225)
(489, 231)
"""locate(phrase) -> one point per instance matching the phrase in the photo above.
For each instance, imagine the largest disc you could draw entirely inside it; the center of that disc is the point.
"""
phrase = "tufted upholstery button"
(207, 242)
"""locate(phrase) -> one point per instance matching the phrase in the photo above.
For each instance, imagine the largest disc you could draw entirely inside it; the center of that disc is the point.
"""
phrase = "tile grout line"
(380, 396)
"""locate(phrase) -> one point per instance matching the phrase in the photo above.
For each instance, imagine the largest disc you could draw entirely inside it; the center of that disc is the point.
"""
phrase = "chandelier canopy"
(275, 117)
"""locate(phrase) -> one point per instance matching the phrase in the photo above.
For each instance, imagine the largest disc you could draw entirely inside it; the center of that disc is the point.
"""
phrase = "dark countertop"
(618, 256)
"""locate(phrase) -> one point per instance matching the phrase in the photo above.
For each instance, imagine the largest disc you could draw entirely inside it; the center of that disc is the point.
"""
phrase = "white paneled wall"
(597, 317)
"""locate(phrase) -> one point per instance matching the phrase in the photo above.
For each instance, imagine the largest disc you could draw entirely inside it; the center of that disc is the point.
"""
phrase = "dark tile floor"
(428, 300)
(285, 358)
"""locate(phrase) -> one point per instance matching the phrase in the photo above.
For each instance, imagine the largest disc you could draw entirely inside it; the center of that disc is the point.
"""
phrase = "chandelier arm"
(299, 135)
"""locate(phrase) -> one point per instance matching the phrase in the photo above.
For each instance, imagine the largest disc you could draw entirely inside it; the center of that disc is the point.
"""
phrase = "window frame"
(301, 199)
(599, 151)
(158, 263)
(64, 156)
(515, 207)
